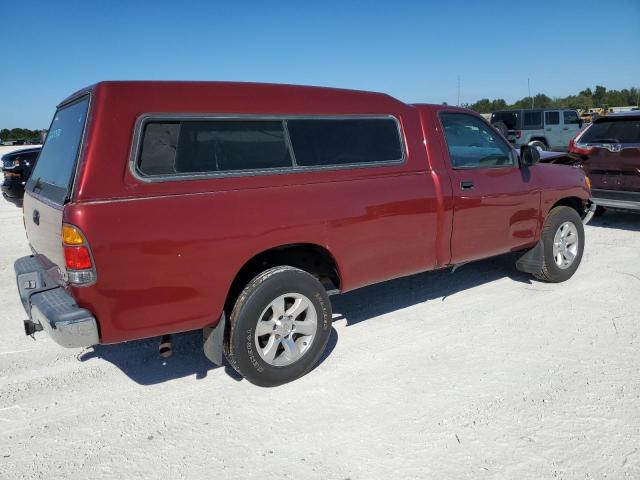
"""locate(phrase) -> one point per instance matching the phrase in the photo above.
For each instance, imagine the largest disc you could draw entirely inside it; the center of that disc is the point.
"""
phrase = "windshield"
(613, 131)
(509, 118)
(53, 174)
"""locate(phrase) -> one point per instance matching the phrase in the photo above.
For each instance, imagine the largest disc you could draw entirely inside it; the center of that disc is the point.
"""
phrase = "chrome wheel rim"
(286, 329)
(565, 245)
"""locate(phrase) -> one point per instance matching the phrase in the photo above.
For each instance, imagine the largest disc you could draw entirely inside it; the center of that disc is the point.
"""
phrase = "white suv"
(550, 129)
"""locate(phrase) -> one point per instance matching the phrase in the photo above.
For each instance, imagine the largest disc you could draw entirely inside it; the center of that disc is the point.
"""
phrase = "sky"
(414, 51)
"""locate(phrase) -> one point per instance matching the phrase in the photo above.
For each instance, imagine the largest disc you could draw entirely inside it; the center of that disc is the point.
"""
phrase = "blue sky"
(411, 50)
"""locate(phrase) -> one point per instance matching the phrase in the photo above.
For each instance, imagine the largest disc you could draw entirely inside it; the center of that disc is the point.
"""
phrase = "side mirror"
(529, 155)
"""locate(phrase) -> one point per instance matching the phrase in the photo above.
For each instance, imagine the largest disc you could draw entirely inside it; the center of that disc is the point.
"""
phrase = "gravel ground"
(483, 373)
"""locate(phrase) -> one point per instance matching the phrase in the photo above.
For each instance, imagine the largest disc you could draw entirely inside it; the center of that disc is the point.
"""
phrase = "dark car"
(610, 152)
(17, 167)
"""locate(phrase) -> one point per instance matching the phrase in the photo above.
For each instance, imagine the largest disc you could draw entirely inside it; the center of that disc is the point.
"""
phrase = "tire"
(272, 337)
(553, 268)
(539, 143)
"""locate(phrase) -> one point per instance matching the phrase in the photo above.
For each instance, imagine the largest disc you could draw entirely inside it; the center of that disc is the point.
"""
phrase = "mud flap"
(533, 260)
(213, 338)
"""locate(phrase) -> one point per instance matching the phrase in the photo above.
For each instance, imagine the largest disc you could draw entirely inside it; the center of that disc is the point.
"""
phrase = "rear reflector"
(77, 258)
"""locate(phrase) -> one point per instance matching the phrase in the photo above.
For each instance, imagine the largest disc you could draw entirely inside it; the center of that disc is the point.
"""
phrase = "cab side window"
(552, 118)
(571, 118)
(473, 144)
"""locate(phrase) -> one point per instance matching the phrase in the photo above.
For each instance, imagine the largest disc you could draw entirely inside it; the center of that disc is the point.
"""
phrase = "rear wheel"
(562, 243)
(539, 143)
(279, 326)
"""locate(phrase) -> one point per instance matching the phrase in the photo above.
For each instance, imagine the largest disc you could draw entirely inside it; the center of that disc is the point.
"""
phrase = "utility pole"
(458, 90)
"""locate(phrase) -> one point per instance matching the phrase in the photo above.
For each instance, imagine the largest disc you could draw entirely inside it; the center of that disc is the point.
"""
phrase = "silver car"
(548, 129)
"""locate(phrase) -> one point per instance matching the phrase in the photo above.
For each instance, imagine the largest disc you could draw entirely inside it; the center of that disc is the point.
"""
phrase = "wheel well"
(311, 258)
(573, 202)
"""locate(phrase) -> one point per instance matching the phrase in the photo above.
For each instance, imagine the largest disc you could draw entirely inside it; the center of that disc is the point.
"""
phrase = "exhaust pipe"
(166, 346)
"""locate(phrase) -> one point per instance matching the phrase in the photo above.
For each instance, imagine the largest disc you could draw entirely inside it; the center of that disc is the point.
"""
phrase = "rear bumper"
(51, 308)
(616, 199)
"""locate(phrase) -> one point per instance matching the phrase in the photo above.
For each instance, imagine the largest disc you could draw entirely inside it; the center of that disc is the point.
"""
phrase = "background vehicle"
(610, 153)
(246, 219)
(16, 169)
(547, 129)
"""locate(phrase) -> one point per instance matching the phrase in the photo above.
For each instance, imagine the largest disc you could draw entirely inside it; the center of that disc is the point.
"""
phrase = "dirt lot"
(479, 374)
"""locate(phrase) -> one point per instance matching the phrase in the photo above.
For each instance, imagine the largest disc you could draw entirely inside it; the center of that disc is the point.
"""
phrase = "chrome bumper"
(51, 308)
(624, 200)
(621, 204)
(592, 209)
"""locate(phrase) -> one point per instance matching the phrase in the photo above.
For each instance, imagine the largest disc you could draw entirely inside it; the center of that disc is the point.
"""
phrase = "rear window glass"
(212, 146)
(53, 174)
(532, 120)
(613, 131)
(510, 119)
(339, 142)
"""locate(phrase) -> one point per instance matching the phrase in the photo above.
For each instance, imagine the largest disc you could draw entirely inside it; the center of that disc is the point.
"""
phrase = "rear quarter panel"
(166, 263)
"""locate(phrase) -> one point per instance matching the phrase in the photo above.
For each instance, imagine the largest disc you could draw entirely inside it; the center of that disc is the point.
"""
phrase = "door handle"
(36, 217)
(566, 128)
(466, 185)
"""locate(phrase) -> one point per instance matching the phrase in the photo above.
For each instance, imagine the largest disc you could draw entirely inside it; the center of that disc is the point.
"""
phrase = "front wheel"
(562, 243)
(279, 326)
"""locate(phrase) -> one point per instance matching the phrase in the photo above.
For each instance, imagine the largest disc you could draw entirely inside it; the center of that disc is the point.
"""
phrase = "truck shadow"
(383, 298)
(618, 219)
(139, 360)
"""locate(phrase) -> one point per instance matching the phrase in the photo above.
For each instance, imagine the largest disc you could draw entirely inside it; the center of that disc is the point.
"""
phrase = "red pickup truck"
(237, 208)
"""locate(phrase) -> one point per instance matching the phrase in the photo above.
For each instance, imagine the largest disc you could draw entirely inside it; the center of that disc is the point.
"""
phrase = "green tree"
(599, 95)
(482, 106)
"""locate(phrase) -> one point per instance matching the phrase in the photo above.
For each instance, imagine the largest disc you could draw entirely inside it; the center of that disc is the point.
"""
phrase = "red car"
(236, 208)
(609, 150)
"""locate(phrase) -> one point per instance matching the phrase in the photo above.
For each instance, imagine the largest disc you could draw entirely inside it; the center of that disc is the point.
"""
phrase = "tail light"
(77, 256)
(579, 148)
(518, 133)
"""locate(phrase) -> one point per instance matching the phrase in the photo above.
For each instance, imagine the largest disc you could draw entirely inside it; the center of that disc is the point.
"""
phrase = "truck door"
(570, 126)
(496, 203)
(553, 129)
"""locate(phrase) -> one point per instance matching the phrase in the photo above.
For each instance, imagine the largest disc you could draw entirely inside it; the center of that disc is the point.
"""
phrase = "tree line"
(10, 135)
(587, 98)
